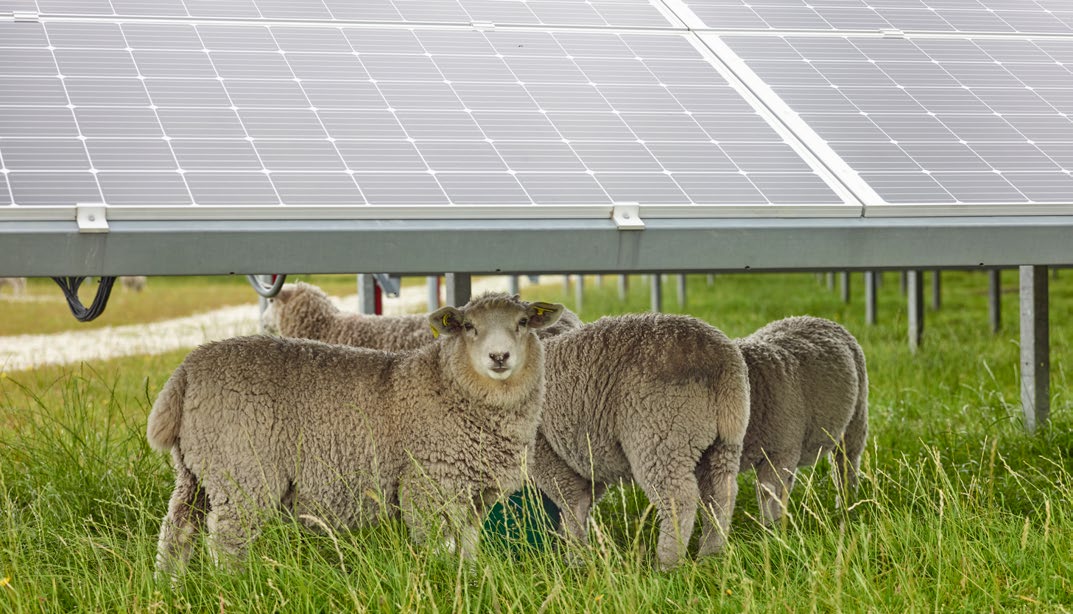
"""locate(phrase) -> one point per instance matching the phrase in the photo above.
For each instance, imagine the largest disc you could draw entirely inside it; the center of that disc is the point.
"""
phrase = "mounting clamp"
(627, 216)
(92, 218)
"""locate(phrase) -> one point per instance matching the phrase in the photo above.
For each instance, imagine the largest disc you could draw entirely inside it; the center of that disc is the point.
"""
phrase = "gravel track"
(22, 352)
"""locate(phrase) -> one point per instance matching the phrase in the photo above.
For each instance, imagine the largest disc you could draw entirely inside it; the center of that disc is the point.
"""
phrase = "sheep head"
(296, 310)
(497, 330)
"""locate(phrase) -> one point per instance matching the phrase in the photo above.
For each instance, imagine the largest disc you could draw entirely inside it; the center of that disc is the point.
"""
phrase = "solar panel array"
(933, 120)
(938, 16)
(404, 103)
(594, 13)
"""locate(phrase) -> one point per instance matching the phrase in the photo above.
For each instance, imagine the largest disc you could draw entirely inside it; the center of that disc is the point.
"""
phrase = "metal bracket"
(92, 218)
(388, 283)
(24, 17)
(627, 216)
(892, 33)
(483, 25)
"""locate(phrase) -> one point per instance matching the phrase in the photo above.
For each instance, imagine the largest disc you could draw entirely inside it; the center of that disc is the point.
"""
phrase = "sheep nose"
(500, 358)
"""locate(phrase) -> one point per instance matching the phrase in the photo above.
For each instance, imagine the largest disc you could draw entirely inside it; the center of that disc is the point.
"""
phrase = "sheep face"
(270, 316)
(495, 332)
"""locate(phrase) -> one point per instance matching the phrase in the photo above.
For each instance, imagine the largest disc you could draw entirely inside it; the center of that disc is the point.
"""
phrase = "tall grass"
(958, 509)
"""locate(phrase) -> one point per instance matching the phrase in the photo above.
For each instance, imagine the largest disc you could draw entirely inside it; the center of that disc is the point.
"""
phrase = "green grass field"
(958, 508)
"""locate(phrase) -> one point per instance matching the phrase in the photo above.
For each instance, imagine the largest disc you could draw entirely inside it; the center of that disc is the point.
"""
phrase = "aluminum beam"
(1035, 347)
(459, 289)
(994, 299)
(366, 294)
(936, 290)
(870, 296)
(422, 247)
(915, 290)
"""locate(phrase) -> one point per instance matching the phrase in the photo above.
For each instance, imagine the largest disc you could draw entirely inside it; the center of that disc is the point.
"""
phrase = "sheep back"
(329, 429)
(808, 380)
(618, 382)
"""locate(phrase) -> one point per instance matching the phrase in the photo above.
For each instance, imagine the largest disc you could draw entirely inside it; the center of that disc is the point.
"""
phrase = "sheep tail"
(163, 427)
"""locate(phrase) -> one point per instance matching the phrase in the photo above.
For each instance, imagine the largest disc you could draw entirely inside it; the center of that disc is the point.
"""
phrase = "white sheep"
(662, 400)
(347, 435)
(18, 284)
(136, 283)
(304, 310)
(809, 398)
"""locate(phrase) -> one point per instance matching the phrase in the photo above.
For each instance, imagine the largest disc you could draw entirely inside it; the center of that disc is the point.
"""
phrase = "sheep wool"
(343, 436)
(809, 394)
(304, 310)
(662, 400)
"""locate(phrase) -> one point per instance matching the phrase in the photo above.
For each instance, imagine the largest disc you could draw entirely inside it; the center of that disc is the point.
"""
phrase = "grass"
(958, 509)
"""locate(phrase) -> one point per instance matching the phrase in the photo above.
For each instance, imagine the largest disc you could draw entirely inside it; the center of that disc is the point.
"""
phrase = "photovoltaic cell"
(929, 120)
(964, 16)
(254, 114)
(593, 13)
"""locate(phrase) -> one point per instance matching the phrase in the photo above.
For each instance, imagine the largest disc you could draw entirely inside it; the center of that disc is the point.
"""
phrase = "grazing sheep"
(134, 282)
(347, 435)
(659, 399)
(304, 310)
(18, 284)
(809, 398)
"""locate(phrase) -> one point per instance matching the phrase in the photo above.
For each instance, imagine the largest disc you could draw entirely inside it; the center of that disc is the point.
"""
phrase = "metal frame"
(422, 247)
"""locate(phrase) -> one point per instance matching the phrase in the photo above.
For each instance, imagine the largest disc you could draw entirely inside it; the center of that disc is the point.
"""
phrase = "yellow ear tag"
(435, 333)
(540, 310)
(445, 317)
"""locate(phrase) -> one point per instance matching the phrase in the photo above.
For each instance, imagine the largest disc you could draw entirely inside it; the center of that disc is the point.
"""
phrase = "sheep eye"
(467, 326)
(523, 322)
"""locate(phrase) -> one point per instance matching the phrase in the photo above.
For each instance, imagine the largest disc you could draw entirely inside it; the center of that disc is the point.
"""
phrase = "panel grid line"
(409, 137)
(156, 114)
(231, 102)
(569, 144)
(316, 114)
(74, 116)
(479, 127)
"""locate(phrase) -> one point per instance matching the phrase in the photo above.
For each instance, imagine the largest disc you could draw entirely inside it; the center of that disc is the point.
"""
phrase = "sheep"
(18, 284)
(136, 283)
(304, 310)
(809, 394)
(659, 399)
(343, 436)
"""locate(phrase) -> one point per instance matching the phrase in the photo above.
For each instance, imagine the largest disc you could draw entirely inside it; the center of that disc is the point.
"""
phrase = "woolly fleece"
(344, 434)
(662, 400)
(304, 310)
(808, 386)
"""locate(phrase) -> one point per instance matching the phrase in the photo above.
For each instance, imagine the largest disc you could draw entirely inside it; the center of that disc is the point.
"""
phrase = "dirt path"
(21, 352)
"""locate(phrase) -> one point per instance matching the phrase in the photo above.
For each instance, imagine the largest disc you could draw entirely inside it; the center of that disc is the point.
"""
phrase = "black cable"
(70, 286)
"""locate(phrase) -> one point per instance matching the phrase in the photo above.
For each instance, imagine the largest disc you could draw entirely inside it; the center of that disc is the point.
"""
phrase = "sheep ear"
(542, 315)
(447, 320)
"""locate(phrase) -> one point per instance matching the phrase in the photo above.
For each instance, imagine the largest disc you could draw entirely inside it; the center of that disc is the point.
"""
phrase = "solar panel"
(153, 114)
(594, 13)
(933, 121)
(963, 16)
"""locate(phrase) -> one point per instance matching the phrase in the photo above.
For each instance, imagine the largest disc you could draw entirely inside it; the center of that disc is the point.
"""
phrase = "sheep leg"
(774, 481)
(571, 492)
(671, 484)
(427, 512)
(231, 529)
(847, 455)
(184, 520)
(717, 476)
